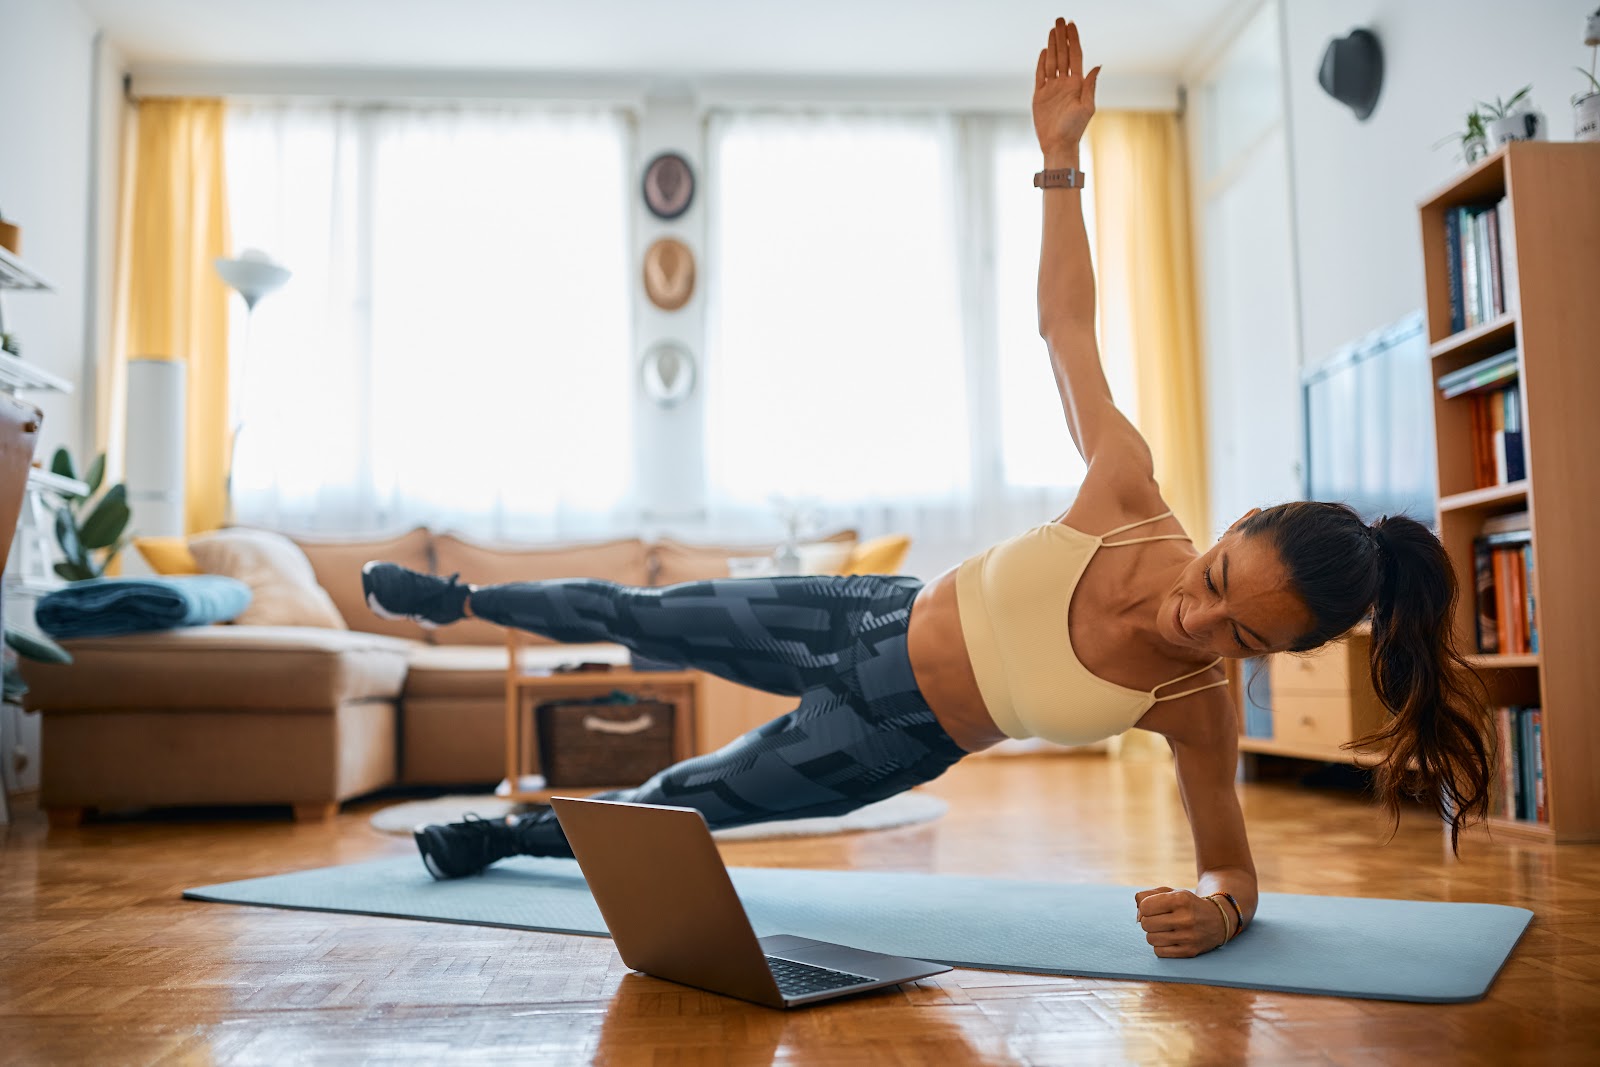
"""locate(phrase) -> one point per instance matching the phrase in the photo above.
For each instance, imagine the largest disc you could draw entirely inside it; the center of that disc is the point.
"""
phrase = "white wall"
(1357, 184)
(46, 102)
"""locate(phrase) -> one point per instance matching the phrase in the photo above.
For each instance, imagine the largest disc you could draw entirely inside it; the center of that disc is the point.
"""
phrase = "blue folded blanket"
(101, 607)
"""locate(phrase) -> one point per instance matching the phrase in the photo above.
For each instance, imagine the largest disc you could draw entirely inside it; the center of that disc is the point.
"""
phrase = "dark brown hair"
(1438, 741)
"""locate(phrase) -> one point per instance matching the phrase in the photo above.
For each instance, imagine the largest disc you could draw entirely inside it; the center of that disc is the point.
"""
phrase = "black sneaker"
(457, 849)
(393, 592)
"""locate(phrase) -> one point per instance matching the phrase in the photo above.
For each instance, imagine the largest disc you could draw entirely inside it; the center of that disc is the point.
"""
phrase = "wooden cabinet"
(1320, 701)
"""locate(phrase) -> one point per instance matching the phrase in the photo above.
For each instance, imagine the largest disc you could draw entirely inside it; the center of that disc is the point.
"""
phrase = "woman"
(896, 681)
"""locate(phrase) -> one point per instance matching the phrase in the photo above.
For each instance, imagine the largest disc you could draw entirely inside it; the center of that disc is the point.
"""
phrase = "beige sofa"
(309, 716)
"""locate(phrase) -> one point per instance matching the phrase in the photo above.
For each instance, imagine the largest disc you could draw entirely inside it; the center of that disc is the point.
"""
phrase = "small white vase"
(1528, 125)
(1586, 118)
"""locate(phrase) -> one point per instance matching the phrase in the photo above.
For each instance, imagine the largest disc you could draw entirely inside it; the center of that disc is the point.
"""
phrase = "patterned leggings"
(862, 731)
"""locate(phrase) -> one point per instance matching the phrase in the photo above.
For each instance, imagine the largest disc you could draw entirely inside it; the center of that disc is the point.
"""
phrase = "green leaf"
(108, 519)
(15, 688)
(61, 464)
(73, 571)
(36, 646)
(96, 474)
(67, 534)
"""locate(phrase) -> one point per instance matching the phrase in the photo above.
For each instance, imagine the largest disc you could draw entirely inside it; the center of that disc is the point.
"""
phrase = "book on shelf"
(1499, 367)
(1503, 583)
(1520, 787)
(1475, 249)
(1498, 456)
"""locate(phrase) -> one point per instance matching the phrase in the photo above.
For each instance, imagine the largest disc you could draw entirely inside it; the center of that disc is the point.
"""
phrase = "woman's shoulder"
(1109, 499)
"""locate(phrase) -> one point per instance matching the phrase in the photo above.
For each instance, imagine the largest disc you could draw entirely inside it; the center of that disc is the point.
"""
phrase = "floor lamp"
(253, 274)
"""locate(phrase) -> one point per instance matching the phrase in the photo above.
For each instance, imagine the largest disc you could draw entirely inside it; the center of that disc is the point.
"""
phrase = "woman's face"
(1234, 601)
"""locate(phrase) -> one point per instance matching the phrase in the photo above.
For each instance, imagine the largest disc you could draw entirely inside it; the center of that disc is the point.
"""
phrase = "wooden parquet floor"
(102, 963)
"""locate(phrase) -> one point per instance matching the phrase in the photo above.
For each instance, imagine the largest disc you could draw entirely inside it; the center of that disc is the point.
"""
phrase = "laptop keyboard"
(801, 979)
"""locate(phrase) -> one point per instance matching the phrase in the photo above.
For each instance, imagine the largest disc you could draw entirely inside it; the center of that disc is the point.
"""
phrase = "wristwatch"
(1061, 178)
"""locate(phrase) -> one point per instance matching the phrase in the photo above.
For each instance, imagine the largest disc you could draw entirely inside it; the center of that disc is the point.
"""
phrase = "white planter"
(1586, 118)
(1520, 126)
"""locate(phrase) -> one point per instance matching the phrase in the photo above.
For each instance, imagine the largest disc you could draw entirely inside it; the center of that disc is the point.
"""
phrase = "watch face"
(668, 185)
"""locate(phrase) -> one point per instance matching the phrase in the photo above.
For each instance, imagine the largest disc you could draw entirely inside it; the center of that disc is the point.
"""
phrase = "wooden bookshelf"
(1551, 259)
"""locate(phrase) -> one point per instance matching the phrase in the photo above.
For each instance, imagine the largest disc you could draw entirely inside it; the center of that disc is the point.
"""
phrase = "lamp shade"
(254, 274)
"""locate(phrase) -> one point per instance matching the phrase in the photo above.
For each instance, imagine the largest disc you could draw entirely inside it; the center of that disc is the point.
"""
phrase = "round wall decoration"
(668, 185)
(669, 273)
(667, 373)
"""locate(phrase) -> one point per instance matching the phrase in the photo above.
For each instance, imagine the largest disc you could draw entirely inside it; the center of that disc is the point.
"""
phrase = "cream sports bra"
(1013, 601)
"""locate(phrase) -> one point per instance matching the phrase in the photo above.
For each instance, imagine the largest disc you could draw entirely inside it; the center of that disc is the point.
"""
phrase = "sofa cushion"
(480, 670)
(283, 585)
(878, 555)
(337, 565)
(167, 555)
(487, 564)
(266, 668)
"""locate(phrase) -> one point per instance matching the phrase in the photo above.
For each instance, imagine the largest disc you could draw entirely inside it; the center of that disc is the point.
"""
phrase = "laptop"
(672, 911)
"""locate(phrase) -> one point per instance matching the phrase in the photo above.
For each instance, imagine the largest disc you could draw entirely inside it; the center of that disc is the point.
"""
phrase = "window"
(873, 342)
(836, 363)
(456, 322)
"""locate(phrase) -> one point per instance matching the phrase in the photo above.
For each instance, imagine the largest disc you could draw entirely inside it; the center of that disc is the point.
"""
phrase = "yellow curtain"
(173, 304)
(1145, 270)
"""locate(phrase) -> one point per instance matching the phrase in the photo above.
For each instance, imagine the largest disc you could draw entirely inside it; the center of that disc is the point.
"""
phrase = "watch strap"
(1059, 178)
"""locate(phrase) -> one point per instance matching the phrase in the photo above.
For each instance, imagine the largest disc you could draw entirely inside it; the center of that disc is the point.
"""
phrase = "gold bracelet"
(1223, 912)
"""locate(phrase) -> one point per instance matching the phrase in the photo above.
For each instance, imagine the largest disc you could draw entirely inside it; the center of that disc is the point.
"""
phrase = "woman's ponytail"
(1438, 747)
(1438, 736)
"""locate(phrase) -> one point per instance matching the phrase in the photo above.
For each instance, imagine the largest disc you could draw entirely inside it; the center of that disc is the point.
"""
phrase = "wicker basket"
(606, 741)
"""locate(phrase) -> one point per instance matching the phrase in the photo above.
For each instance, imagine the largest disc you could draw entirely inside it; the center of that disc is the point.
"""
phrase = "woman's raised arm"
(1063, 103)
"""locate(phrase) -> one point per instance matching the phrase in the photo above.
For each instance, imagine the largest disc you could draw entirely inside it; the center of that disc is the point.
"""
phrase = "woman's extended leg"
(862, 732)
(782, 635)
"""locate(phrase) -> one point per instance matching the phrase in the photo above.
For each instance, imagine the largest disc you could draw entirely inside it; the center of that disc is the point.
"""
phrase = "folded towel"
(101, 607)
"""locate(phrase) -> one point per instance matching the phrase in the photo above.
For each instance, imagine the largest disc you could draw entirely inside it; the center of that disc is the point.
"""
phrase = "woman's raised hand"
(1063, 95)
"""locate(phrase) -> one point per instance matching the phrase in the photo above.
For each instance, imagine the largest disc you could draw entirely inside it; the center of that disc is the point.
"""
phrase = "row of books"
(1497, 452)
(1475, 236)
(1503, 572)
(1521, 792)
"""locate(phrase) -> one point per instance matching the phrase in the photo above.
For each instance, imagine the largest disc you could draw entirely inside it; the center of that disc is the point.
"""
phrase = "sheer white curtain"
(453, 348)
(872, 337)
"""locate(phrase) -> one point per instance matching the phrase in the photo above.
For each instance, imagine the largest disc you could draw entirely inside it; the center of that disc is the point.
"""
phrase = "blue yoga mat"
(1340, 946)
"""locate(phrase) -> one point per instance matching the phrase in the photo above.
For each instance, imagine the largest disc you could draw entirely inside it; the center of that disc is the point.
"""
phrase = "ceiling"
(818, 38)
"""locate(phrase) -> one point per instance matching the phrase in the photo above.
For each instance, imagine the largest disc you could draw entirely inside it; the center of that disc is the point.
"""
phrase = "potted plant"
(89, 530)
(1505, 121)
(1471, 137)
(1586, 110)
(1586, 104)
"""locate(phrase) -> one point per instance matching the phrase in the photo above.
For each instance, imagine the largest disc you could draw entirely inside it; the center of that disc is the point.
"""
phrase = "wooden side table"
(526, 690)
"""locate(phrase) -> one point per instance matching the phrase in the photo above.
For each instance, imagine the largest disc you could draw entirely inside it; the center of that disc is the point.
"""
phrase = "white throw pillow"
(824, 557)
(283, 587)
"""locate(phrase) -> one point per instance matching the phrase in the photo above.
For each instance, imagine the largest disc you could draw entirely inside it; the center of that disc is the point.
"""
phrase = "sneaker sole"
(420, 836)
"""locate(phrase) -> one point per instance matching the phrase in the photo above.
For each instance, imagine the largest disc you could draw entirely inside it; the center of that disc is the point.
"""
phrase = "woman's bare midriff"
(939, 661)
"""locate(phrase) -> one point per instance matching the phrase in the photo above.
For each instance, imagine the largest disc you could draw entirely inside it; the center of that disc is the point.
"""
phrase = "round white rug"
(903, 809)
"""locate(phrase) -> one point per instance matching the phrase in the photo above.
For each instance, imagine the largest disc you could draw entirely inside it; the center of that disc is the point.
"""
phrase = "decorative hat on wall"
(668, 185)
(669, 273)
(1352, 71)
